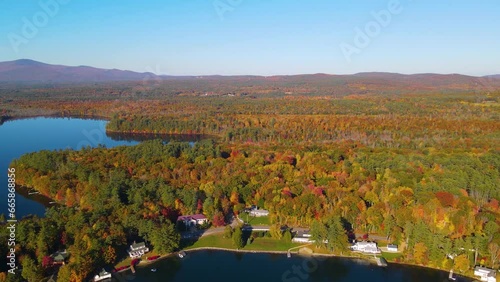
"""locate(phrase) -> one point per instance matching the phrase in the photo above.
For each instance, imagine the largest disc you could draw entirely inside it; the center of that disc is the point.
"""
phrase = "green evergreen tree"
(238, 238)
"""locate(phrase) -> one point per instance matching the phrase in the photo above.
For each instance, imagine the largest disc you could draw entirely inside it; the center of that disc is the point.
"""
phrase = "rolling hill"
(29, 71)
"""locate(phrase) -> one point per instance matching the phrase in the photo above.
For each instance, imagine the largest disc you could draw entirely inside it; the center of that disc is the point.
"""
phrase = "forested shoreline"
(421, 170)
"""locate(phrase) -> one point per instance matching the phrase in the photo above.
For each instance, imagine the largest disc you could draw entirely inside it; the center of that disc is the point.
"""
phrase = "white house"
(366, 247)
(259, 213)
(302, 238)
(392, 248)
(136, 250)
(102, 275)
(485, 274)
(192, 220)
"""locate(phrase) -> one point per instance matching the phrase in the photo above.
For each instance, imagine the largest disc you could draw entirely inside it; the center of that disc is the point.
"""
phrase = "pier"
(381, 261)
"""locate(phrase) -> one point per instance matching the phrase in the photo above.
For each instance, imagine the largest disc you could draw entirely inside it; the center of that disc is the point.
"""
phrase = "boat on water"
(153, 269)
(181, 254)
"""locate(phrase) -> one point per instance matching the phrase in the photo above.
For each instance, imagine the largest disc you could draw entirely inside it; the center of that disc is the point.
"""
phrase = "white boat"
(153, 269)
(181, 254)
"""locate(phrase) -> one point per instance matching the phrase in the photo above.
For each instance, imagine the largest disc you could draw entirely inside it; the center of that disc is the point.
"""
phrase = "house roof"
(260, 211)
(191, 216)
(198, 216)
(364, 243)
(138, 245)
(485, 270)
(60, 256)
(104, 272)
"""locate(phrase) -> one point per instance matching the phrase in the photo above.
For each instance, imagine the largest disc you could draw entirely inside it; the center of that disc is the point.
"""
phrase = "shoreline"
(199, 249)
(5, 119)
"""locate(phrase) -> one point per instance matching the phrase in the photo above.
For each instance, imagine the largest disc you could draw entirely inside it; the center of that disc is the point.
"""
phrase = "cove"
(21, 136)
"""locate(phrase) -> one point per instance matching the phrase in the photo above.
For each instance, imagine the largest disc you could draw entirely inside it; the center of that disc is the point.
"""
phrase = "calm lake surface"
(18, 137)
(230, 266)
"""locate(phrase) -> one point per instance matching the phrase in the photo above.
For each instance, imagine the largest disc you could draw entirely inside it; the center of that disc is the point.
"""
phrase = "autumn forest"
(419, 168)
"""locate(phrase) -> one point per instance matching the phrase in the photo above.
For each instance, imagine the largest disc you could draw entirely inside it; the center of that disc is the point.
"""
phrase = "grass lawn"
(259, 244)
(269, 244)
(391, 256)
(263, 220)
(125, 262)
(382, 243)
(215, 240)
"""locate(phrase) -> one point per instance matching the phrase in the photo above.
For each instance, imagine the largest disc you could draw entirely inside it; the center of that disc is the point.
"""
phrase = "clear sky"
(263, 37)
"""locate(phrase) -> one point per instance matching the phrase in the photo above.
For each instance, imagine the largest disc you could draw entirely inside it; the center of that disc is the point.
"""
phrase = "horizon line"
(259, 75)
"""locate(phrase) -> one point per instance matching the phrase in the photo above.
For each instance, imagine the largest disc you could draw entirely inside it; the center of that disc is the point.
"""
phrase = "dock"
(450, 277)
(381, 261)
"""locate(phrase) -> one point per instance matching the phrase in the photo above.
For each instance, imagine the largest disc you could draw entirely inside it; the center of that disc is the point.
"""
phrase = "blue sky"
(263, 37)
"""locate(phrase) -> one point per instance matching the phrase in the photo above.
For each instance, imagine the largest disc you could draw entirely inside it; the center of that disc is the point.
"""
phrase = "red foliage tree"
(218, 220)
(445, 198)
(47, 261)
(199, 206)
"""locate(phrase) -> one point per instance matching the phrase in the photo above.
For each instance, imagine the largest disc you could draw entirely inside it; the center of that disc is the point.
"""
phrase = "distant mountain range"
(25, 70)
(29, 71)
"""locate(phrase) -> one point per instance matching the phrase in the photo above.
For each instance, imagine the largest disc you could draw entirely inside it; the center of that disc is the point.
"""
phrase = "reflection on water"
(241, 267)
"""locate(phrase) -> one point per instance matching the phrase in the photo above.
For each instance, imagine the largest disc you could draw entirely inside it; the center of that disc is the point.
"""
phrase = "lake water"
(22, 136)
(18, 137)
(230, 266)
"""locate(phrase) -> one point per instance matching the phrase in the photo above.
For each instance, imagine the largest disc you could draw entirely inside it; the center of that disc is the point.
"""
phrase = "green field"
(264, 220)
(391, 256)
(259, 244)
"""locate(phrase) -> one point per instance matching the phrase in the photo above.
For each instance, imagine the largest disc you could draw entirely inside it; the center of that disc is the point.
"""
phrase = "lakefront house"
(485, 274)
(137, 250)
(366, 247)
(255, 211)
(302, 237)
(193, 220)
(102, 275)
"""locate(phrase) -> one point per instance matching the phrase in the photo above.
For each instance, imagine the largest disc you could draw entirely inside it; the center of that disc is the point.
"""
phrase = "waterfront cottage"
(366, 247)
(302, 237)
(60, 257)
(137, 250)
(485, 274)
(259, 213)
(103, 274)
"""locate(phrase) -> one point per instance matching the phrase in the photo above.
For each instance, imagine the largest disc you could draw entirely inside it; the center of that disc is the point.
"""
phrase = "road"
(235, 223)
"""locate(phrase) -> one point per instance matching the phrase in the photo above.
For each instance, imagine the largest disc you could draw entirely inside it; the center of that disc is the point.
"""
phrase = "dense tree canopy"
(422, 171)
